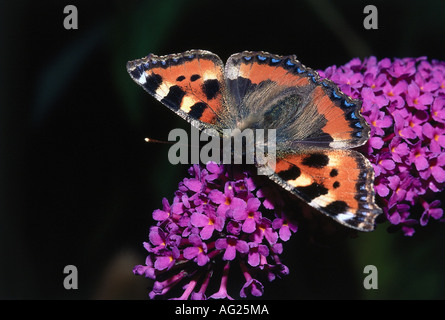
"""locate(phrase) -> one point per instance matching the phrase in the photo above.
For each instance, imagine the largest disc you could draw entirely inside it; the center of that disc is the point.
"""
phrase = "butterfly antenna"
(151, 140)
(157, 141)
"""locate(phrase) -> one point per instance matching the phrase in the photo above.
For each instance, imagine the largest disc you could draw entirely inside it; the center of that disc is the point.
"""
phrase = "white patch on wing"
(302, 181)
(187, 103)
(232, 73)
(142, 79)
(345, 216)
(163, 90)
(323, 199)
(209, 75)
(339, 145)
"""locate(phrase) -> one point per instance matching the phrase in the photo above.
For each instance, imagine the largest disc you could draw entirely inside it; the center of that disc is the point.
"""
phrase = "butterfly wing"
(315, 124)
(190, 83)
(278, 92)
(338, 183)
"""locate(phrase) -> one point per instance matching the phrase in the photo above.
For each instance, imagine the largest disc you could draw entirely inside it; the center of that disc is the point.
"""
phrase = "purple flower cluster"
(217, 219)
(404, 103)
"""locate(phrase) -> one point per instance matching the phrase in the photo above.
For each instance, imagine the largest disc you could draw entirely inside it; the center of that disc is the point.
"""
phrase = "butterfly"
(316, 124)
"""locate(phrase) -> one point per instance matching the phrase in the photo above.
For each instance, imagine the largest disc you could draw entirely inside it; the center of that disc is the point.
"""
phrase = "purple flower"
(230, 245)
(380, 121)
(208, 221)
(197, 252)
(416, 99)
(399, 149)
(167, 259)
(435, 169)
(265, 231)
(425, 82)
(249, 215)
(438, 109)
(257, 254)
(393, 93)
(402, 68)
(404, 103)
(253, 286)
(285, 228)
(226, 200)
(431, 210)
(216, 220)
(418, 156)
(436, 136)
(371, 100)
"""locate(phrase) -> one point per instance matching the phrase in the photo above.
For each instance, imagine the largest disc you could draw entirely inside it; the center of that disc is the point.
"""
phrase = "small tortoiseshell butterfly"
(316, 124)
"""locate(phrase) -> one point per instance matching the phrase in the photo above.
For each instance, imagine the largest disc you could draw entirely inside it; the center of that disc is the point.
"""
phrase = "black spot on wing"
(197, 110)
(174, 97)
(312, 191)
(290, 174)
(194, 77)
(238, 88)
(211, 88)
(240, 84)
(316, 160)
(333, 173)
(136, 73)
(180, 78)
(152, 82)
(336, 207)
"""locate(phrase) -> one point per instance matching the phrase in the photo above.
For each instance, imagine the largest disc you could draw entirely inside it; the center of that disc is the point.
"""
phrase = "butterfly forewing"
(278, 92)
(191, 84)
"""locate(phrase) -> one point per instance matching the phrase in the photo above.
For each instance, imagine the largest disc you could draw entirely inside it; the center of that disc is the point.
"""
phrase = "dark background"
(78, 182)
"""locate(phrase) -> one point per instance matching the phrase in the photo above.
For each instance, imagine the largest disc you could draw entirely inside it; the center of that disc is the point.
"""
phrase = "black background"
(78, 182)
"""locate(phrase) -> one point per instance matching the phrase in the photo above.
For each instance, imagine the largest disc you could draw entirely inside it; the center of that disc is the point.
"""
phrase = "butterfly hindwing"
(191, 84)
(339, 183)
